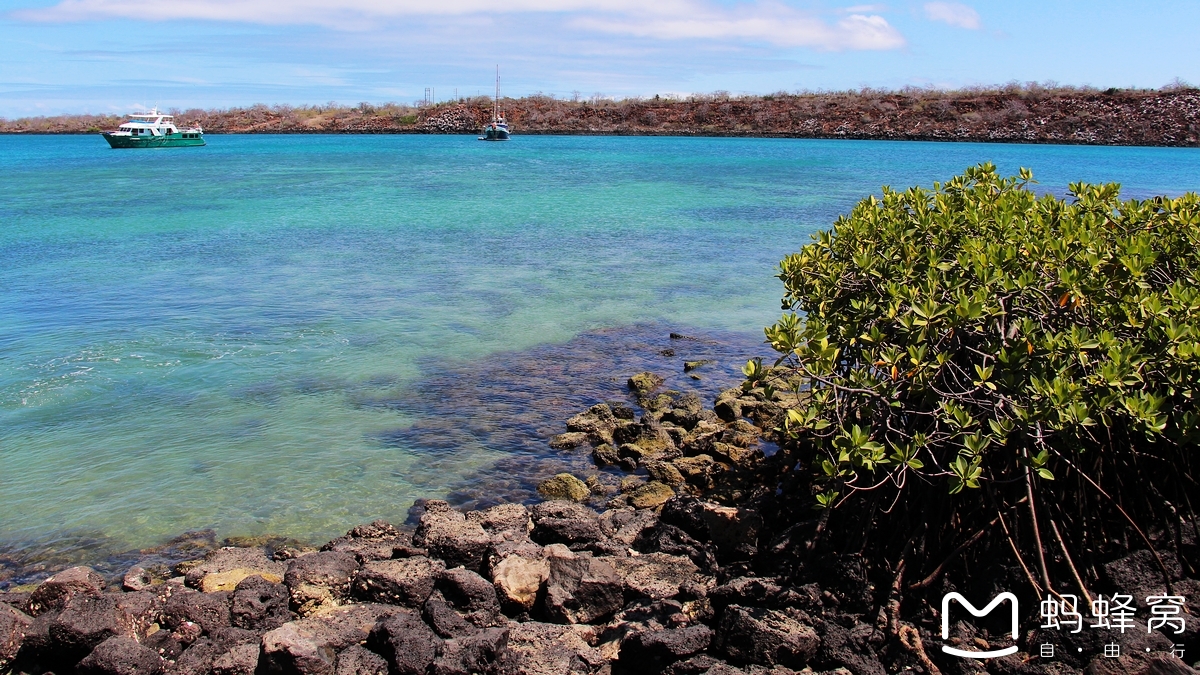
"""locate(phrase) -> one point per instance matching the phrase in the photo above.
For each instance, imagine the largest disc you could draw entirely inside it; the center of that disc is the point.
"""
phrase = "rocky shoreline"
(1012, 114)
(677, 566)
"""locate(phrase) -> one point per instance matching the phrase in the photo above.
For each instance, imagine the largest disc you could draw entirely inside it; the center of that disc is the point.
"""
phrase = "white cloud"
(771, 23)
(953, 13)
(761, 21)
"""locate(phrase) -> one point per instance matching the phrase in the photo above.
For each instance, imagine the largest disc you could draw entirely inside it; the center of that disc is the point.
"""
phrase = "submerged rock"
(644, 383)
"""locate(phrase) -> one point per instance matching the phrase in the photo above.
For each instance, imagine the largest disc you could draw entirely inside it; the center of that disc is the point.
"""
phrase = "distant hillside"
(1013, 114)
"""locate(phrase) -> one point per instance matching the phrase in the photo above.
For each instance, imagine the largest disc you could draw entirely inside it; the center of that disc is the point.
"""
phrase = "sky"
(113, 56)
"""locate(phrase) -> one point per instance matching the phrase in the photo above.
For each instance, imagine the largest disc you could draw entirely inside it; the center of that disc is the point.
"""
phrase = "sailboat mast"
(496, 101)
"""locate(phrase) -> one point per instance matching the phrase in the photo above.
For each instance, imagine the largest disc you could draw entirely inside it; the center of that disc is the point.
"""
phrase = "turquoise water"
(293, 334)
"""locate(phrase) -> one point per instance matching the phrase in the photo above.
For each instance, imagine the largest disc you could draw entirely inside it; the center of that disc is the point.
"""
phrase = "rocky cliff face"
(1016, 115)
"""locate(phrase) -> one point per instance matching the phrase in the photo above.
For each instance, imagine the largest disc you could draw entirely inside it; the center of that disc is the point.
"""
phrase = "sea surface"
(294, 334)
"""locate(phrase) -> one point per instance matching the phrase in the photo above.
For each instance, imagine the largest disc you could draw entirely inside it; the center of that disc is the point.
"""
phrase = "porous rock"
(241, 659)
(210, 611)
(562, 522)
(580, 588)
(53, 593)
(202, 656)
(13, 626)
(86, 621)
(406, 642)
(539, 648)
(242, 562)
(406, 581)
(652, 651)
(451, 537)
(658, 575)
(481, 653)
(503, 518)
(358, 660)
(765, 636)
(564, 486)
(258, 604)
(121, 655)
(462, 602)
(319, 580)
(308, 646)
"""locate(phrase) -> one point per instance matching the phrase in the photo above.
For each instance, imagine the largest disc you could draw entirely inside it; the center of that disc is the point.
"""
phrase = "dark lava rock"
(652, 651)
(765, 636)
(408, 581)
(450, 537)
(164, 643)
(208, 610)
(121, 655)
(406, 642)
(13, 626)
(319, 580)
(258, 604)
(379, 529)
(480, 654)
(852, 648)
(536, 648)
(657, 575)
(746, 591)
(53, 593)
(377, 541)
(446, 622)
(580, 589)
(503, 519)
(240, 660)
(88, 620)
(664, 538)
(471, 595)
(358, 660)
(562, 522)
(308, 646)
(202, 656)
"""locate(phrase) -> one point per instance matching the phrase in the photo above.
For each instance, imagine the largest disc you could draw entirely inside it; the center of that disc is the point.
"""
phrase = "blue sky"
(73, 56)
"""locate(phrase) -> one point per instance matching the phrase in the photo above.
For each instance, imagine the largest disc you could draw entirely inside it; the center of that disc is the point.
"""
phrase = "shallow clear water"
(293, 334)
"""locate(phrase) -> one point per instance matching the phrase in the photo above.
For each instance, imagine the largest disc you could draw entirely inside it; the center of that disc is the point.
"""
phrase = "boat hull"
(168, 141)
(494, 135)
